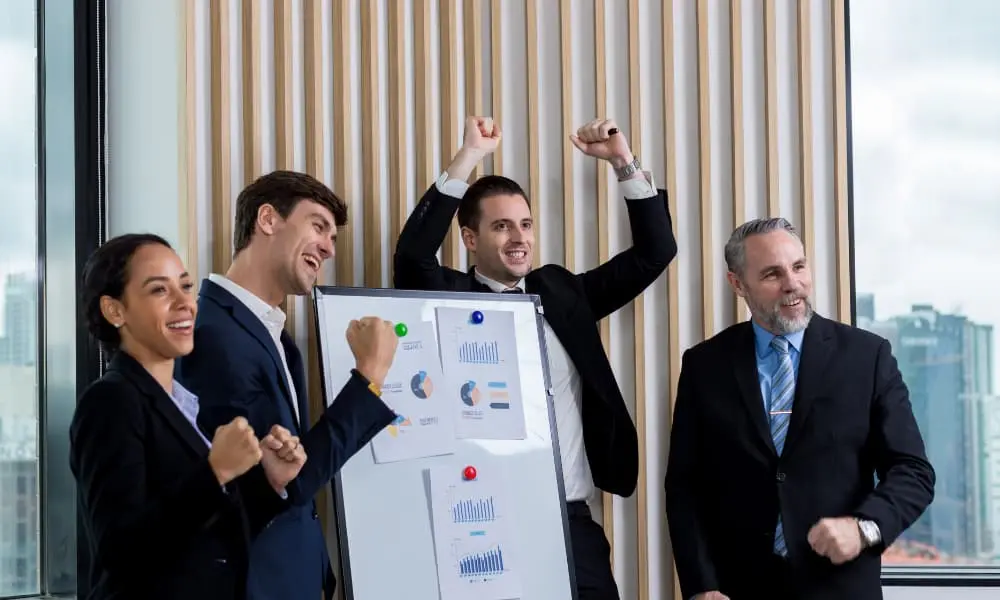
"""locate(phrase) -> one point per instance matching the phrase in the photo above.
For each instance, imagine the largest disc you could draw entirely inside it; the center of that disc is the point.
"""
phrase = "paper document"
(479, 358)
(424, 425)
(475, 553)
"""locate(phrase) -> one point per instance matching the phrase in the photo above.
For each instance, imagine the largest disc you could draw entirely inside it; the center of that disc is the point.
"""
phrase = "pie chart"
(470, 393)
(421, 385)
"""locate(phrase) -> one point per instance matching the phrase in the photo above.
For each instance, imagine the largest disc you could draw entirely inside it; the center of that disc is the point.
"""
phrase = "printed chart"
(479, 357)
(472, 536)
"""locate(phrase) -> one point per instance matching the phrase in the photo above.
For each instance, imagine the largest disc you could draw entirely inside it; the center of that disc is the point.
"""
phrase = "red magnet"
(469, 473)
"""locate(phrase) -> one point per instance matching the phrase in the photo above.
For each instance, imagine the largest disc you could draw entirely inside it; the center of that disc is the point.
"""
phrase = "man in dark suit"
(780, 427)
(597, 439)
(244, 362)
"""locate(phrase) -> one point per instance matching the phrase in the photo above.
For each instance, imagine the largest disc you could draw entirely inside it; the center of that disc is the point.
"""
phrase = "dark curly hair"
(106, 274)
(283, 190)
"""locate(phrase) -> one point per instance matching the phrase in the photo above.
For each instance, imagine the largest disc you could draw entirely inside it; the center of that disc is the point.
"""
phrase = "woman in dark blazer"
(169, 515)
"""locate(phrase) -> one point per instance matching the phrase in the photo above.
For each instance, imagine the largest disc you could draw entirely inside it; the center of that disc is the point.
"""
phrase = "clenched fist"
(283, 457)
(481, 134)
(373, 342)
(235, 450)
(594, 139)
(837, 539)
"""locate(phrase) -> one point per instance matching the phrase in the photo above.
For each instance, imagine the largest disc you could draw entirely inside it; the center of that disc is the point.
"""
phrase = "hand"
(838, 539)
(235, 450)
(373, 342)
(593, 140)
(711, 596)
(481, 134)
(282, 457)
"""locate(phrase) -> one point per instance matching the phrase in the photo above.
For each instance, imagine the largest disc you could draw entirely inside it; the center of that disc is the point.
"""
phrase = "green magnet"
(401, 329)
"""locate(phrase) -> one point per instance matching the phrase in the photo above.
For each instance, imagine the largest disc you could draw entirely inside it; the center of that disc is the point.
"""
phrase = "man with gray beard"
(780, 428)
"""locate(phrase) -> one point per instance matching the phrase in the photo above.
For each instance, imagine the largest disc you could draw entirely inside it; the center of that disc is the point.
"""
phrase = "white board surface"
(384, 512)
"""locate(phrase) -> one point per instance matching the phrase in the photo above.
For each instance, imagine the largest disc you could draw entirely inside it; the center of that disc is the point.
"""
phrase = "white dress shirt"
(273, 319)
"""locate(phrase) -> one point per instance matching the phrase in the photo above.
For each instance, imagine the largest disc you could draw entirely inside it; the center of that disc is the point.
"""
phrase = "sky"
(925, 101)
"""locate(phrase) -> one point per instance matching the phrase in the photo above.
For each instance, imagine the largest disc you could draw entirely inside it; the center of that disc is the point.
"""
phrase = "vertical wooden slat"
(422, 105)
(670, 153)
(496, 75)
(534, 142)
(312, 58)
(222, 220)
(705, 174)
(371, 167)
(568, 199)
(771, 105)
(189, 149)
(252, 144)
(343, 164)
(284, 142)
(450, 120)
(472, 16)
(806, 128)
(736, 102)
(398, 155)
(639, 312)
(601, 106)
(840, 189)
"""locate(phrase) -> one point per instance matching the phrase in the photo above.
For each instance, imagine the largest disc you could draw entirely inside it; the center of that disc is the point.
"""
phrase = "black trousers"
(591, 555)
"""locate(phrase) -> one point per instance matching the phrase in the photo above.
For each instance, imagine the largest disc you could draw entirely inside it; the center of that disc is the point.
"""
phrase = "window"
(925, 135)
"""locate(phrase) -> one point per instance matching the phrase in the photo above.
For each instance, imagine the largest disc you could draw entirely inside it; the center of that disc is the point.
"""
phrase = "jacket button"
(315, 515)
(780, 476)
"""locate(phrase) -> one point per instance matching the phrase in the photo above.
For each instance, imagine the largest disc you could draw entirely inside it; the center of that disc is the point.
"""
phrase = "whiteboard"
(385, 534)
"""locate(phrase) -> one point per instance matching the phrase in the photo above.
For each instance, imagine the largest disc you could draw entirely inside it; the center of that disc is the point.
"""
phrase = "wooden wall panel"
(222, 189)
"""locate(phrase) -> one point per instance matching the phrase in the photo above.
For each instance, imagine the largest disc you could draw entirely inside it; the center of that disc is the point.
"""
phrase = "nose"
(516, 234)
(326, 248)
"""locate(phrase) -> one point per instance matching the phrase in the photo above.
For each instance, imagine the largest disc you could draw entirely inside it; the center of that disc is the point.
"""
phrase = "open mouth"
(516, 256)
(312, 261)
(792, 303)
(183, 327)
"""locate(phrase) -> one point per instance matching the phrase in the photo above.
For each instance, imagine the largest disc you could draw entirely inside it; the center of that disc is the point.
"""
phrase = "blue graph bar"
(473, 511)
(487, 353)
(485, 563)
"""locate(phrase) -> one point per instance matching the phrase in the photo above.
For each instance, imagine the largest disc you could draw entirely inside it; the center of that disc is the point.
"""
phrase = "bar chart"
(479, 353)
(482, 563)
(473, 511)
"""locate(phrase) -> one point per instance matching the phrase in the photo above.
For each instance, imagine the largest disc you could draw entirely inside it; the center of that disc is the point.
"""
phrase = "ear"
(113, 311)
(469, 238)
(267, 219)
(736, 284)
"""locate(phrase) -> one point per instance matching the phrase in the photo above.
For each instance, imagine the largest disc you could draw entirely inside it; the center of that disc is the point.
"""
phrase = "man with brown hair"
(245, 363)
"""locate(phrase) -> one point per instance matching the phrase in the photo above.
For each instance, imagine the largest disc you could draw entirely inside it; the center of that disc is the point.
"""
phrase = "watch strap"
(629, 169)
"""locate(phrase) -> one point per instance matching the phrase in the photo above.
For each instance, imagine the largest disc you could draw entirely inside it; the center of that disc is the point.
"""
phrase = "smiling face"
(155, 314)
(299, 244)
(775, 282)
(505, 239)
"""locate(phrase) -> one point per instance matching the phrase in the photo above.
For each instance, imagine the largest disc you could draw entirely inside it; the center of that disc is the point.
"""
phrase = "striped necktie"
(780, 412)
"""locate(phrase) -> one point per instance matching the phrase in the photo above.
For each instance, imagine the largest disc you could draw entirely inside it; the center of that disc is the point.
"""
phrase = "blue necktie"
(780, 412)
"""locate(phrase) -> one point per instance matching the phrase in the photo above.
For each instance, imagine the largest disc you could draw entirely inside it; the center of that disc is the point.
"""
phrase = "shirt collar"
(182, 395)
(264, 311)
(495, 285)
(763, 337)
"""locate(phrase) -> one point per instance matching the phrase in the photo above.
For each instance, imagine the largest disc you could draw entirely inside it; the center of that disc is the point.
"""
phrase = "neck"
(162, 369)
(503, 278)
(247, 273)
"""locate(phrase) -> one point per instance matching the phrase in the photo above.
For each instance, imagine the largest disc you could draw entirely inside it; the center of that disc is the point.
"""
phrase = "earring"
(118, 325)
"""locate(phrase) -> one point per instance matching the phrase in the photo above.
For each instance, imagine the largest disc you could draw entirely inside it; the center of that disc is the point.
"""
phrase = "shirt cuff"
(455, 188)
(637, 189)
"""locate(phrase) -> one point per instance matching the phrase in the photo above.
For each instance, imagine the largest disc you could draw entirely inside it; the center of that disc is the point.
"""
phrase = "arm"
(224, 385)
(906, 477)
(617, 282)
(682, 484)
(108, 459)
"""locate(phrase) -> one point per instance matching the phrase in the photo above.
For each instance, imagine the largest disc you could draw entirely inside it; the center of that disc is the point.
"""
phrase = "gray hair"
(736, 253)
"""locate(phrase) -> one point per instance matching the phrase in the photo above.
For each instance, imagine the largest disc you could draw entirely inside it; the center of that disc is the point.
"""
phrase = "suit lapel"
(745, 363)
(297, 370)
(817, 348)
(160, 400)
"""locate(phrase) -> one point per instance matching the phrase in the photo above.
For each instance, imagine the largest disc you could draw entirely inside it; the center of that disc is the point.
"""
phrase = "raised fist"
(373, 342)
(594, 139)
(481, 134)
(235, 450)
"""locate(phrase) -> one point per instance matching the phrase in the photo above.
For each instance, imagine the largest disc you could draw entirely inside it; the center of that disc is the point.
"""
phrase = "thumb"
(271, 442)
(578, 143)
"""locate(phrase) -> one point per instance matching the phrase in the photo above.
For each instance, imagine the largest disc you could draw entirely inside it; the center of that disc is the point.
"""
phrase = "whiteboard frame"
(319, 291)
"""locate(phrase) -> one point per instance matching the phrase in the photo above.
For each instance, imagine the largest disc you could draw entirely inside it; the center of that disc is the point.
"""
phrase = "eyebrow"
(318, 215)
(158, 278)
(768, 268)
(526, 219)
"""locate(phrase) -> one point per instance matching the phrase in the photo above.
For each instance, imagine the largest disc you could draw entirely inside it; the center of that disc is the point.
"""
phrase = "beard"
(770, 315)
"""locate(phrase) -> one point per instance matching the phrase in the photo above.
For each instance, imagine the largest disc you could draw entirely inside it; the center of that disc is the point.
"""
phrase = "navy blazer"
(235, 368)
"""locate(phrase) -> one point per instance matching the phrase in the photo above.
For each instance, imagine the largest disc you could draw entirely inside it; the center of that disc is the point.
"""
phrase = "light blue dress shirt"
(767, 359)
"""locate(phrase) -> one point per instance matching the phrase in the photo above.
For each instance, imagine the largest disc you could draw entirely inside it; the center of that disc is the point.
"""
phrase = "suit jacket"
(725, 484)
(235, 368)
(573, 304)
(157, 523)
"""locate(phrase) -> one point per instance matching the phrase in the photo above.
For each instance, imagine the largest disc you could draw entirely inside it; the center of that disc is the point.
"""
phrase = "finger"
(240, 423)
(496, 132)
(582, 147)
(605, 127)
(487, 127)
(279, 431)
(271, 443)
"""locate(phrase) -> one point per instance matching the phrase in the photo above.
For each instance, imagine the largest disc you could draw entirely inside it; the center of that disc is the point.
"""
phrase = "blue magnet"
(477, 317)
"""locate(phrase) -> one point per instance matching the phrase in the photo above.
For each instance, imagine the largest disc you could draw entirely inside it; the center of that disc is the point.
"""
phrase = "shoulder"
(851, 337)
(723, 342)
(112, 398)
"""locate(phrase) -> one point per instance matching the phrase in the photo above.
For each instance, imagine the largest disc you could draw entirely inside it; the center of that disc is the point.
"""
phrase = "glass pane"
(19, 551)
(925, 93)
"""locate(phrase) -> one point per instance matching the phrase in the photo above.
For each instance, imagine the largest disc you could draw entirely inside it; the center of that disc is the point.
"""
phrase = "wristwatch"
(870, 534)
(628, 170)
